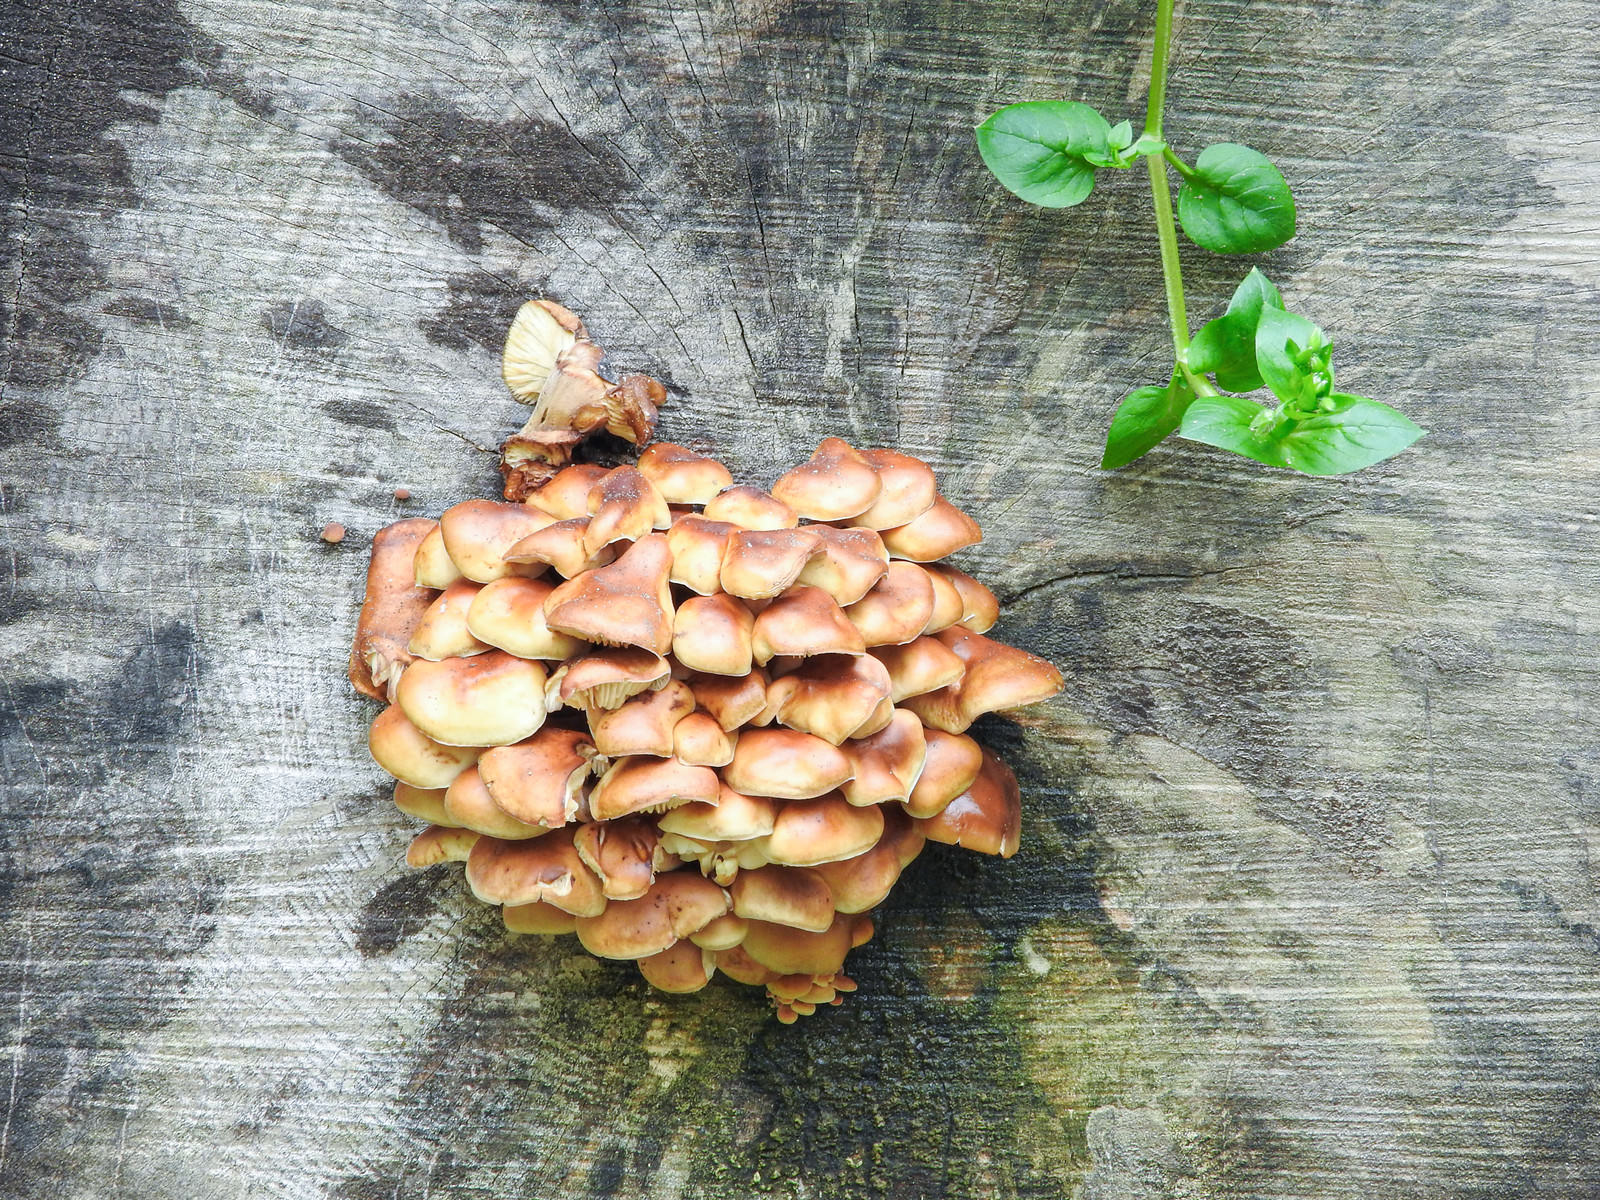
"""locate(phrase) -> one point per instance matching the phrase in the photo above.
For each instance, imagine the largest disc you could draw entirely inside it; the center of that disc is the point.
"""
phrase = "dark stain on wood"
(303, 325)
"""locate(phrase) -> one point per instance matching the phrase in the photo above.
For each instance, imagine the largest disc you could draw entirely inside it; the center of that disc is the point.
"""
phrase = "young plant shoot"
(1232, 200)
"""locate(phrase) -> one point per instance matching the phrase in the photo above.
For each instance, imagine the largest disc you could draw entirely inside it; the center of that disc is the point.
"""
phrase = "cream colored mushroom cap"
(443, 632)
(824, 829)
(411, 756)
(681, 475)
(439, 844)
(491, 699)
(836, 483)
(509, 614)
(909, 489)
(785, 764)
(477, 534)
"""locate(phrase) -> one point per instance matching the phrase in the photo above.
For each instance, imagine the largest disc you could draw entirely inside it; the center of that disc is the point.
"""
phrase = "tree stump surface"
(1305, 906)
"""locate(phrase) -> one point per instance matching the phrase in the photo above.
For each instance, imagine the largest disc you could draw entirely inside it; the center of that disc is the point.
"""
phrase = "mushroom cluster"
(703, 726)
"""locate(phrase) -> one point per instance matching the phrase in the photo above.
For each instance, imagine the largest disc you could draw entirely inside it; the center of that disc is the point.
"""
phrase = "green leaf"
(1145, 418)
(1284, 341)
(1226, 347)
(1356, 434)
(1121, 135)
(1040, 150)
(1235, 202)
(1233, 423)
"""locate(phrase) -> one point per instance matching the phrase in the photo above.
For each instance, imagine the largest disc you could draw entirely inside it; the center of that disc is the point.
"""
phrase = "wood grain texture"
(1306, 904)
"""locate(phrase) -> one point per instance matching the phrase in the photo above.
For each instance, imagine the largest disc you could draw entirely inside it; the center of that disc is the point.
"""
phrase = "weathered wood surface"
(1306, 903)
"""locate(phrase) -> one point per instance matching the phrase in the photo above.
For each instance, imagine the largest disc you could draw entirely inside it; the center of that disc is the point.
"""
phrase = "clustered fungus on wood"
(701, 726)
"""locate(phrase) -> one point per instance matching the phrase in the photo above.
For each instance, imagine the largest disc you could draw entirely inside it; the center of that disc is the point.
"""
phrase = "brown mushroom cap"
(979, 607)
(633, 785)
(831, 695)
(923, 665)
(477, 534)
(997, 676)
(644, 724)
(546, 868)
(735, 817)
(538, 917)
(681, 968)
(987, 817)
(566, 496)
(698, 546)
(791, 951)
(862, 883)
(393, 606)
(940, 531)
(825, 829)
(793, 896)
(950, 764)
(540, 334)
(699, 741)
(539, 781)
(758, 564)
(431, 565)
(887, 764)
(836, 483)
(624, 604)
(411, 756)
(750, 508)
(847, 564)
(442, 632)
(677, 905)
(726, 932)
(741, 968)
(623, 507)
(909, 490)
(897, 609)
(561, 546)
(605, 679)
(785, 764)
(949, 606)
(732, 701)
(804, 621)
(440, 843)
(681, 475)
(491, 699)
(468, 804)
(509, 613)
(622, 853)
(713, 634)
(425, 803)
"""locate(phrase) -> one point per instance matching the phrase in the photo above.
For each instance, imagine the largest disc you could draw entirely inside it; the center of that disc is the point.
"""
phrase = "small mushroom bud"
(623, 507)
(538, 917)
(732, 701)
(492, 699)
(831, 695)
(950, 764)
(759, 564)
(633, 785)
(439, 844)
(624, 604)
(411, 756)
(477, 534)
(432, 567)
(887, 765)
(561, 546)
(566, 496)
(862, 883)
(622, 853)
(644, 725)
(919, 666)
(699, 741)
(837, 483)
(785, 764)
(997, 676)
(509, 613)
(426, 803)
(442, 632)
(698, 547)
(847, 565)
(469, 805)
(677, 905)
(605, 679)
(713, 634)
(681, 968)
(825, 829)
(681, 475)
(979, 607)
(909, 490)
(794, 896)
(539, 781)
(897, 609)
(393, 607)
(547, 868)
(804, 621)
(750, 508)
(987, 817)
(940, 531)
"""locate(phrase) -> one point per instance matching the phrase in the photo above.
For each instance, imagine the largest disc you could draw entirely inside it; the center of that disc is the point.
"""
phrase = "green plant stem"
(1178, 164)
(1158, 68)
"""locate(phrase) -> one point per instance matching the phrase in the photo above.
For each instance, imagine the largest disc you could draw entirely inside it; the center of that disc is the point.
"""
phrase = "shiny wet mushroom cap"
(677, 905)
(411, 756)
(714, 635)
(477, 534)
(469, 805)
(681, 968)
(624, 604)
(824, 829)
(785, 764)
(835, 484)
(509, 614)
(804, 622)
(908, 489)
(442, 632)
(681, 475)
(942, 530)
(491, 699)
(996, 677)
(987, 817)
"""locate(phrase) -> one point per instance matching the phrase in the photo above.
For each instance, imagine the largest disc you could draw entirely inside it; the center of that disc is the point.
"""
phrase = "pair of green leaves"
(1313, 428)
(1233, 201)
